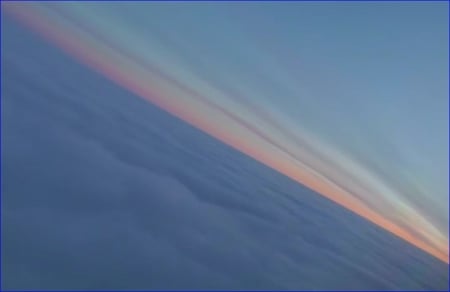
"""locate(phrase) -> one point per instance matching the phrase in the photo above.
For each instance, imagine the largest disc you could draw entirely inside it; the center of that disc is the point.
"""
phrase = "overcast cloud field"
(102, 190)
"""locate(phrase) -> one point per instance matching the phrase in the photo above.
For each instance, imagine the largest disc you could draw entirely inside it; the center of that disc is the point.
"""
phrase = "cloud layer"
(329, 106)
(101, 190)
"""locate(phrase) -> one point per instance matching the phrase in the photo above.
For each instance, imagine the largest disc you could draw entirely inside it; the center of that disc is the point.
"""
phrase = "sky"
(348, 99)
(104, 190)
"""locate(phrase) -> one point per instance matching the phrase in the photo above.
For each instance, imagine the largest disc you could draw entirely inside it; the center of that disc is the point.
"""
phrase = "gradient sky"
(349, 99)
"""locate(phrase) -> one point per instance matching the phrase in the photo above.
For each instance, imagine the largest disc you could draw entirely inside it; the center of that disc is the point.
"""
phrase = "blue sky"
(349, 99)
